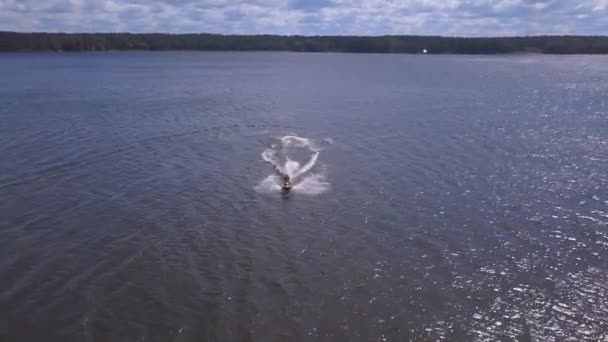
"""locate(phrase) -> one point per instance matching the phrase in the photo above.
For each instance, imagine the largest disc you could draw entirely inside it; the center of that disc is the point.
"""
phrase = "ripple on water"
(576, 309)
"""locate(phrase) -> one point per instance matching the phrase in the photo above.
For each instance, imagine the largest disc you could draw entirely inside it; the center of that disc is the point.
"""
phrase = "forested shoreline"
(14, 41)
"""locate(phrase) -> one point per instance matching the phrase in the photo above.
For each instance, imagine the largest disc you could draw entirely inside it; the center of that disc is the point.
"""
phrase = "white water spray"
(284, 157)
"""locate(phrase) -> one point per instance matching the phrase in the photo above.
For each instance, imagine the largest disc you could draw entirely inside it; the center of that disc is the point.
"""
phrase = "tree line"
(14, 41)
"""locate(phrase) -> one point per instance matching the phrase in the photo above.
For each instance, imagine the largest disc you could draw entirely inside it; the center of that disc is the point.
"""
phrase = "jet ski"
(286, 184)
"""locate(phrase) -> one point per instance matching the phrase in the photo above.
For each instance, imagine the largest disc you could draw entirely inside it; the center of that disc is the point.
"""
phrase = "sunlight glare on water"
(435, 198)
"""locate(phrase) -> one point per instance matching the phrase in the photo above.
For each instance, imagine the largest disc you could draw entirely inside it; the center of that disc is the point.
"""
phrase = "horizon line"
(309, 35)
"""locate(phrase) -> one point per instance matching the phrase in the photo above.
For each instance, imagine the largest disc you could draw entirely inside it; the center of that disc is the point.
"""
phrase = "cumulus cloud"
(360, 17)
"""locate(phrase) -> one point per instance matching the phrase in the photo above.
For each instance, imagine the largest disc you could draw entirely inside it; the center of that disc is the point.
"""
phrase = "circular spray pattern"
(296, 157)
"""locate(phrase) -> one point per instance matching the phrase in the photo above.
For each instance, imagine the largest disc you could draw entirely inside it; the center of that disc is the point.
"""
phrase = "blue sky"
(310, 17)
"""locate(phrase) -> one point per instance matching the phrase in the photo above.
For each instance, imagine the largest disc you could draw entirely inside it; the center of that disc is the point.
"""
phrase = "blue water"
(456, 198)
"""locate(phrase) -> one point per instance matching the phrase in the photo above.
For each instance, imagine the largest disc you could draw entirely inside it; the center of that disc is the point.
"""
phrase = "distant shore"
(16, 42)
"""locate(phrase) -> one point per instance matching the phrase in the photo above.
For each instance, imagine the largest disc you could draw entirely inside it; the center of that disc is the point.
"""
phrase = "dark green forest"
(13, 41)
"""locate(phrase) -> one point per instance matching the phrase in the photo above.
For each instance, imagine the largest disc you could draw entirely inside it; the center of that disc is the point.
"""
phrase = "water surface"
(456, 198)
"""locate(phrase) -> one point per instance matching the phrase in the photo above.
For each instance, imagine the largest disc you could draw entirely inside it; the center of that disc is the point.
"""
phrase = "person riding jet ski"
(286, 183)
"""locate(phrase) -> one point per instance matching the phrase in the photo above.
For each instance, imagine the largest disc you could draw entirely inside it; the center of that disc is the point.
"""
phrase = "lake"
(456, 198)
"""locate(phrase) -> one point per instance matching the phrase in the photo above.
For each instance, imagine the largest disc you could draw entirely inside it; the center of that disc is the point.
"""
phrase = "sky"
(310, 17)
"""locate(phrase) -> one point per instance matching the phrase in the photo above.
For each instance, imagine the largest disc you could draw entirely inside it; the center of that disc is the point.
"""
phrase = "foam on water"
(312, 185)
(268, 185)
(283, 157)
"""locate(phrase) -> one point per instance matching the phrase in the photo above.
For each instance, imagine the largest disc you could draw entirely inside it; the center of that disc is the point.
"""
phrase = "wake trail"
(285, 156)
(307, 166)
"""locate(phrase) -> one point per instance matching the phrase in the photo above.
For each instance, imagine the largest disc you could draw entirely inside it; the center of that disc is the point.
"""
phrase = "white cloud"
(446, 17)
